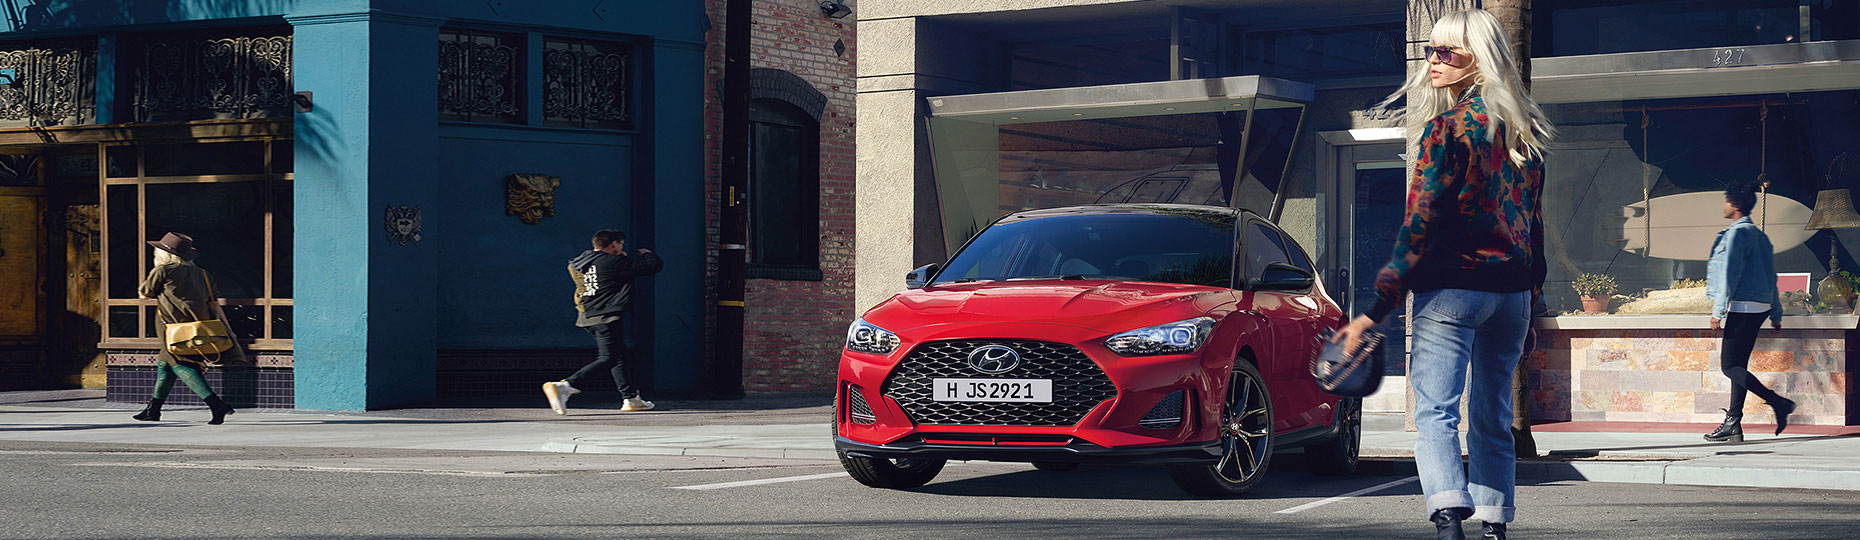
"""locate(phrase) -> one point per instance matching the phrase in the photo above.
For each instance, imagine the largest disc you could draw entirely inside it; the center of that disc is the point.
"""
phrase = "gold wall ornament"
(530, 196)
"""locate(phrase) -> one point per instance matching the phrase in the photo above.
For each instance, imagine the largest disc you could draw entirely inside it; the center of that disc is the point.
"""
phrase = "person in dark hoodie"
(603, 279)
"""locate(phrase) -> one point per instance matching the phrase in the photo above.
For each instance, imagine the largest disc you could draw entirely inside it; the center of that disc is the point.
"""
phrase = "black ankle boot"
(1493, 531)
(151, 413)
(1731, 430)
(220, 409)
(1782, 412)
(1447, 523)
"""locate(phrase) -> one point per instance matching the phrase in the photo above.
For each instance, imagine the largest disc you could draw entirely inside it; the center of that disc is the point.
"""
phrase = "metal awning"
(1718, 71)
(1124, 100)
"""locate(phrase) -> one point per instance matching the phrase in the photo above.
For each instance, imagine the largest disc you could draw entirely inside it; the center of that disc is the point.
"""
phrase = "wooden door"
(80, 330)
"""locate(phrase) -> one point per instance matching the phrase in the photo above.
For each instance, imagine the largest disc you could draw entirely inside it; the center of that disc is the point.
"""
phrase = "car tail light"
(857, 408)
(1167, 414)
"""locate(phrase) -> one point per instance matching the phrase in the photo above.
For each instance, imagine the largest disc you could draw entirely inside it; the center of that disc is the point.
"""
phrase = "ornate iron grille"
(48, 85)
(187, 77)
(479, 74)
(587, 83)
(1078, 384)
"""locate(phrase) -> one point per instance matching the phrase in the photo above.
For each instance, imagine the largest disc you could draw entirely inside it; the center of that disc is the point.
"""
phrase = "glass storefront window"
(1580, 27)
(234, 199)
(1634, 191)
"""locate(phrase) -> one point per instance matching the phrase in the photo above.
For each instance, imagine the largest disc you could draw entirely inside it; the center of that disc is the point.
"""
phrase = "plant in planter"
(1595, 290)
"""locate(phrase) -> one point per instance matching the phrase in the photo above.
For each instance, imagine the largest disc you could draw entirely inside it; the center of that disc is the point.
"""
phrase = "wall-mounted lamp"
(835, 9)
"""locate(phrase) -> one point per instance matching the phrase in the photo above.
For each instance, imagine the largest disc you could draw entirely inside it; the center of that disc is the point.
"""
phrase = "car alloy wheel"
(1246, 440)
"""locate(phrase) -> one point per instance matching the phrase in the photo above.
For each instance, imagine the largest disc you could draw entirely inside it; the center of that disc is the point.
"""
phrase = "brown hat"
(180, 245)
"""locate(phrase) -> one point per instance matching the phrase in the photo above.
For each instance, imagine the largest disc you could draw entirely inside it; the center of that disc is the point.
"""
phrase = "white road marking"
(1357, 493)
(309, 468)
(726, 485)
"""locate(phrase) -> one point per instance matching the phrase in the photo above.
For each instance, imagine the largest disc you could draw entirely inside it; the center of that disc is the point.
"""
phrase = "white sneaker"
(636, 404)
(558, 393)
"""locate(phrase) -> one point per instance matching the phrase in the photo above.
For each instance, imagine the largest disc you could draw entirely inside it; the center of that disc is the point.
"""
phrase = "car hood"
(1111, 306)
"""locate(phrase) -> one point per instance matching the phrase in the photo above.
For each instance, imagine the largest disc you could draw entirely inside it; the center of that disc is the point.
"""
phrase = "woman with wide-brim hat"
(183, 293)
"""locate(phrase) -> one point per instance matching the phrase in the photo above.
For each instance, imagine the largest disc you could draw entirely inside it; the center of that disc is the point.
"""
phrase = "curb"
(1675, 473)
(576, 445)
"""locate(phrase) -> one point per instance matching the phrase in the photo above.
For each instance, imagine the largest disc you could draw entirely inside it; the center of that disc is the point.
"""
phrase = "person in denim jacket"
(1740, 279)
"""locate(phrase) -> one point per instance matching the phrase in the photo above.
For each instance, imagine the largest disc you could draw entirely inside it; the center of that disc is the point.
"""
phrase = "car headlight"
(1173, 338)
(868, 338)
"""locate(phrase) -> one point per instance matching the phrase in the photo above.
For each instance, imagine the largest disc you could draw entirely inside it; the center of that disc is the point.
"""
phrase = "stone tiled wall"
(1673, 376)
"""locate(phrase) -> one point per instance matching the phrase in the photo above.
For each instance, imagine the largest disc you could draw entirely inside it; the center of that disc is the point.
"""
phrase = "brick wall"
(794, 329)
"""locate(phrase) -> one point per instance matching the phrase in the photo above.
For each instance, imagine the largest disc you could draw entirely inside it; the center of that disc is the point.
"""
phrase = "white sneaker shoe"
(558, 393)
(636, 404)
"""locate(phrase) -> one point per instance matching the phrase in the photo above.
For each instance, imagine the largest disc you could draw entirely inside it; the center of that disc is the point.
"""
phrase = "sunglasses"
(1446, 55)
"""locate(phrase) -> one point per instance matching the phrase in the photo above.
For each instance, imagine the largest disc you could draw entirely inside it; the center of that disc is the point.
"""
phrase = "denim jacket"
(1742, 268)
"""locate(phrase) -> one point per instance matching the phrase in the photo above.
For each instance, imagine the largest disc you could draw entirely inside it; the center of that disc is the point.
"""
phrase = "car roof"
(1122, 208)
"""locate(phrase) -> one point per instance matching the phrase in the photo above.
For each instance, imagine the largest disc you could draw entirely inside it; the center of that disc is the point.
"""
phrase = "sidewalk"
(792, 427)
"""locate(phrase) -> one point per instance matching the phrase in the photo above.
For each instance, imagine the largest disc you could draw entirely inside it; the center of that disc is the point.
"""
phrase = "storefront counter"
(1664, 368)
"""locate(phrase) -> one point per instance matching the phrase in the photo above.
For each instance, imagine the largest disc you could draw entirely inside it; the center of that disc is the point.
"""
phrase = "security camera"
(835, 9)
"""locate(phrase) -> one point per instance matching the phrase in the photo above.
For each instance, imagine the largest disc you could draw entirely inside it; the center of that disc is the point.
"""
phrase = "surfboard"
(1684, 226)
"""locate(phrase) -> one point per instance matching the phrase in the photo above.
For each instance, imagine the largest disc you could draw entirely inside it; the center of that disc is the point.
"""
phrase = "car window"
(1182, 247)
(1263, 247)
(1298, 256)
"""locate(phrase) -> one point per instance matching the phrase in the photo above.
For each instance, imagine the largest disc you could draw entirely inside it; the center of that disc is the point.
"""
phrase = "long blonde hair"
(1498, 81)
(163, 257)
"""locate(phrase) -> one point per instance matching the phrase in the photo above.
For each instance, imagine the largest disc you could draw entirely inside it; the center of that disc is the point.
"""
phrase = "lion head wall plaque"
(530, 196)
(402, 224)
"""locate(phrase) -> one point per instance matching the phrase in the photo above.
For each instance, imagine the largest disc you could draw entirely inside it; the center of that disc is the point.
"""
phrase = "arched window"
(784, 191)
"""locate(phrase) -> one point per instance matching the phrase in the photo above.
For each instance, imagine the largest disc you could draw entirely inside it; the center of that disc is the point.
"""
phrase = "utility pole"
(726, 376)
(1515, 16)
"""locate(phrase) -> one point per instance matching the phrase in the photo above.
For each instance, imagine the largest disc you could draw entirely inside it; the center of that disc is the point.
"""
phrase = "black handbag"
(1357, 374)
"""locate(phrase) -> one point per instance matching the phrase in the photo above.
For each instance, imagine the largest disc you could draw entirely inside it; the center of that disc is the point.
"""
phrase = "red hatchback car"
(1140, 333)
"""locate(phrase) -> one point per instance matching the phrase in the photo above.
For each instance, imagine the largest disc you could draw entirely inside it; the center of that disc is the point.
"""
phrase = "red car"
(1136, 333)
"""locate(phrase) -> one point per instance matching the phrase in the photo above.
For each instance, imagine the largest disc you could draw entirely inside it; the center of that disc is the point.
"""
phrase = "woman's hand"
(1352, 334)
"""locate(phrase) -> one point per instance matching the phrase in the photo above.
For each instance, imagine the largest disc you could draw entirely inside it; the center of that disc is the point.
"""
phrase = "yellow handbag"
(202, 337)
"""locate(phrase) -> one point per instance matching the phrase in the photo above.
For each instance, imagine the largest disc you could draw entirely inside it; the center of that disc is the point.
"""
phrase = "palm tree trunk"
(1515, 16)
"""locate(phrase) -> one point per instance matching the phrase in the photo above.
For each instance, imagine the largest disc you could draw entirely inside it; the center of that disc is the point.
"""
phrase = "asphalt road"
(59, 490)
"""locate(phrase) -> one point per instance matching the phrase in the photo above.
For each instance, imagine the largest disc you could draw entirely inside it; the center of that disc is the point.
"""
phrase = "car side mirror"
(1284, 277)
(920, 277)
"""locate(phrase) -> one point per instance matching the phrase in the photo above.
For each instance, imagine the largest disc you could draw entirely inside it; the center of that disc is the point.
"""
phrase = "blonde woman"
(183, 293)
(1471, 251)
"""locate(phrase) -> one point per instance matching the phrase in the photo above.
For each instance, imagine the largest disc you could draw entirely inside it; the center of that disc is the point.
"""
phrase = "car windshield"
(1194, 248)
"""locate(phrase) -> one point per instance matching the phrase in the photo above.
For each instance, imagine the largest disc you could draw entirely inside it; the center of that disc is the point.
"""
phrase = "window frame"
(783, 113)
(269, 182)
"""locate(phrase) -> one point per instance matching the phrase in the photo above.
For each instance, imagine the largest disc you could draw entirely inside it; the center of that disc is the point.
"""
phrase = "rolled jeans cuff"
(1448, 499)
(1494, 514)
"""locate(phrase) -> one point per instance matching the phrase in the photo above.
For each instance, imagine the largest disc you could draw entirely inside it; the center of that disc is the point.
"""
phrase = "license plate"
(993, 390)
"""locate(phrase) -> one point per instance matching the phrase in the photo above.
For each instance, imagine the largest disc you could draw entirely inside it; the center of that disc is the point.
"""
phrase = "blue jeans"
(1456, 330)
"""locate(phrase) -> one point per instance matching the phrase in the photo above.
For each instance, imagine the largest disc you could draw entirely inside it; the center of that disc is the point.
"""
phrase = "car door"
(1286, 316)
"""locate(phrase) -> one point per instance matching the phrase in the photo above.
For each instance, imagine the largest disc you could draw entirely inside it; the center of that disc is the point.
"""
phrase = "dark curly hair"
(1743, 196)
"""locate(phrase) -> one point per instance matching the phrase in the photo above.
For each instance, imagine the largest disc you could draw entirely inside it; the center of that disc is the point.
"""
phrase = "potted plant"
(1595, 290)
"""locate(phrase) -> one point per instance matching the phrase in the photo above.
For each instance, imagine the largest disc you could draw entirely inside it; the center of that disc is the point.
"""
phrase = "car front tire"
(1246, 440)
(1339, 456)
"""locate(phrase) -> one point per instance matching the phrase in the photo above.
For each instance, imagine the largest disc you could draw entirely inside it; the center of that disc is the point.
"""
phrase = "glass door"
(1371, 184)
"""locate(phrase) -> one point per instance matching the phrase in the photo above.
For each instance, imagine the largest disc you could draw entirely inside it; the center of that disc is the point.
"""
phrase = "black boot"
(151, 413)
(1731, 430)
(1493, 531)
(1447, 523)
(1782, 412)
(220, 409)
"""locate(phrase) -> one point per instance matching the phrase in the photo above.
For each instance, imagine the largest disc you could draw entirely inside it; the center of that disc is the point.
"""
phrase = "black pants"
(610, 354)
(1740, 336)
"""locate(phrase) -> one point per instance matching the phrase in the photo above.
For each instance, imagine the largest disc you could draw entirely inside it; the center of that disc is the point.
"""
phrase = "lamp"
(835, 9)
(1834, 209)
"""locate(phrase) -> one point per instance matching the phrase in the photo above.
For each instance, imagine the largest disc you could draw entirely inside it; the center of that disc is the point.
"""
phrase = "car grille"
(1167, 414)
(1078, 384)
(857, 408)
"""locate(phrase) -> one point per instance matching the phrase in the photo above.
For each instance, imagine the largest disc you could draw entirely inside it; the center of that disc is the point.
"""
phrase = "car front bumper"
(1078, 452)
